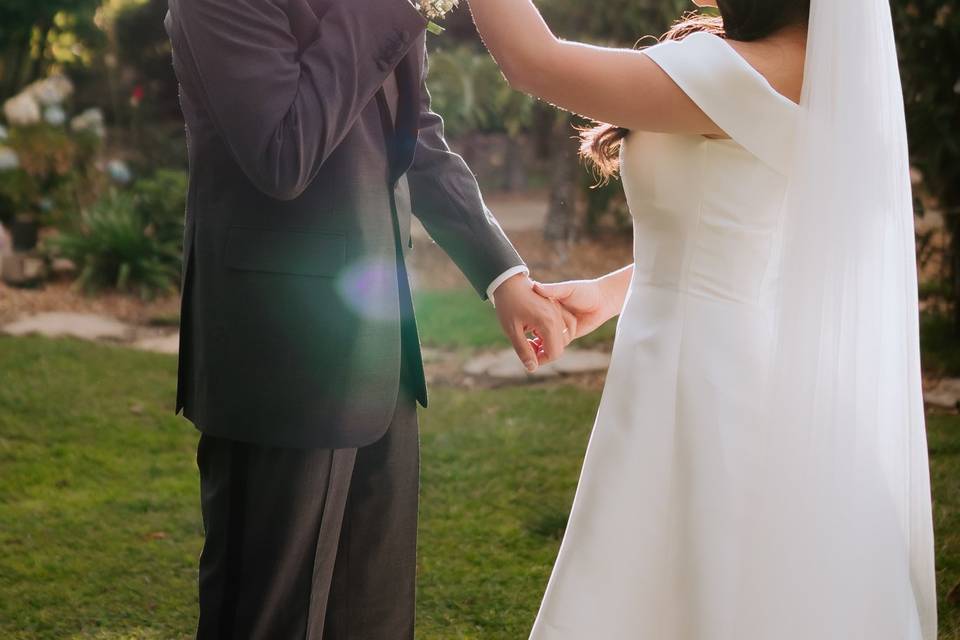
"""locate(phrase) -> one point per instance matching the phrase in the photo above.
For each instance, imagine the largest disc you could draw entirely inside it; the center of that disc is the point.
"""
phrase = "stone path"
(75, 325)
(88, 326)
(504, 365)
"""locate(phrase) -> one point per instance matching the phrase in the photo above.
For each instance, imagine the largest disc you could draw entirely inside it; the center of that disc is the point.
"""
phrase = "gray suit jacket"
(296, 304)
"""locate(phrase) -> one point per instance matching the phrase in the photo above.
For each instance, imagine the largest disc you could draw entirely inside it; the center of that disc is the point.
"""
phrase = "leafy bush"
(472, 95)
(115, 247)
(161, 201)
(928, 39)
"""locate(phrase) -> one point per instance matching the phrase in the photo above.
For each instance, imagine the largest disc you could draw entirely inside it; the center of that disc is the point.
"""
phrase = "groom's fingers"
(551, 330)
(525, 351)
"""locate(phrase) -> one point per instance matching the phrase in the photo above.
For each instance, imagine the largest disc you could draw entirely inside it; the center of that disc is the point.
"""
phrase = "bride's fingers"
(559, 291)
(570, 322)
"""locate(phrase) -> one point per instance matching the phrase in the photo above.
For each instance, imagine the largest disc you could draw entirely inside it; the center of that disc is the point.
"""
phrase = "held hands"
(521, 312)
(585, 304)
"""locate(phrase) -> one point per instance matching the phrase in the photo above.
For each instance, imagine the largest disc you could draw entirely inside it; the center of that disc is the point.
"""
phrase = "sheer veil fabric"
(845, 412)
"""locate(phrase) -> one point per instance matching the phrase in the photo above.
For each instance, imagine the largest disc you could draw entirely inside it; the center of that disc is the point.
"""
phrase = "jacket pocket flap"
(301, 253)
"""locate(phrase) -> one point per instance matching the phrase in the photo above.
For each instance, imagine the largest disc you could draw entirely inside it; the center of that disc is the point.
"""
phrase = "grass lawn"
(99, 515)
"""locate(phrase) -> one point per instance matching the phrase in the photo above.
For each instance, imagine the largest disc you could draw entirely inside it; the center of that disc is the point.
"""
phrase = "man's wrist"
(503, 278)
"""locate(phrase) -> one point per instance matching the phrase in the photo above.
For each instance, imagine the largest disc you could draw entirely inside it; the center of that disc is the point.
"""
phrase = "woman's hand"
(587, 304)
(583, 300)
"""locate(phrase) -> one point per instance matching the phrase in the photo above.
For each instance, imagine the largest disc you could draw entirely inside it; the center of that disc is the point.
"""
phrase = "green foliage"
(144, 48)
(929, 45)
(472, 95)
(56, 171)
(161, 202)
(115, 247)
(621, 22)
(941, 349)
(36, 33)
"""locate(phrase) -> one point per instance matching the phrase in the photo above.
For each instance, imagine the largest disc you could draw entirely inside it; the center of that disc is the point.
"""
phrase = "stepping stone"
(77, 325)
(481, 364)
(946, 395)
(504, 365)
(159, 344)
(22, 270)
(575, 362)
(433, 356)
(510, 368)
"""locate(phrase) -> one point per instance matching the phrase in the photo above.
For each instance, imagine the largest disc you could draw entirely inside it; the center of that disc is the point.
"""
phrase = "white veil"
(846, 417)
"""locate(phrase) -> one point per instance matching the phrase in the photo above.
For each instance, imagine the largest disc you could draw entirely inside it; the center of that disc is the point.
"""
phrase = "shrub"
(161, 202)
(470, 92)
(114, 247)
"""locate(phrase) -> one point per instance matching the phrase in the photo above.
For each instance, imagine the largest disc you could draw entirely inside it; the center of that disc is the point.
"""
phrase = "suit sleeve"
(447, 200)
(281, 108)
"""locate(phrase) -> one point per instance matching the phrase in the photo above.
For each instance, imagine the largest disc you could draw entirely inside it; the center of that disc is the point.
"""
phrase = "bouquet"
(436, 10)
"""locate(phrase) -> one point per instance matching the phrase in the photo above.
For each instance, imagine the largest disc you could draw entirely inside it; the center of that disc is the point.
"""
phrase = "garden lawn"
(99, 516)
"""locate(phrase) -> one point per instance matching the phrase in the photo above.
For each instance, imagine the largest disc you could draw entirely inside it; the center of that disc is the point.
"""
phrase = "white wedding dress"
(664, 541)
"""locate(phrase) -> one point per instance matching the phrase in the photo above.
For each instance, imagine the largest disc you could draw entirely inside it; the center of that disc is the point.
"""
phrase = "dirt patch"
(59, 296)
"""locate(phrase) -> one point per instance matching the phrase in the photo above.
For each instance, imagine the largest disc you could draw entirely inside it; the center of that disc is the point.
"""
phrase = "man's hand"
(522, 311)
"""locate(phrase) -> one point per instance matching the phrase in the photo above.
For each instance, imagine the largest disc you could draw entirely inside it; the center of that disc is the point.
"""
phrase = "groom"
(311, 142)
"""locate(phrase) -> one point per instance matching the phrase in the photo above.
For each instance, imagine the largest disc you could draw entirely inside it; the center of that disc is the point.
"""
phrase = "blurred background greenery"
(116, 123)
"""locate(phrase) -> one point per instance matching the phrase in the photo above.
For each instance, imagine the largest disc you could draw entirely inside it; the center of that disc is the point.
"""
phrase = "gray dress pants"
(313, 544)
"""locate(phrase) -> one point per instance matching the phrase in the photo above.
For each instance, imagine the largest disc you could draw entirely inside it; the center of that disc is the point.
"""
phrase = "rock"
(504, 365)
(22, 270)
(576, 362)
(432, 356)
(78, 325)
(159, 344)
(946, 395)
(63, 267)
(478, 366)
(512, 369)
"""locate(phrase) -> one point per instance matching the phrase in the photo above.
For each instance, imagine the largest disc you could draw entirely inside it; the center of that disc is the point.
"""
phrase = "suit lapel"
(402, 130)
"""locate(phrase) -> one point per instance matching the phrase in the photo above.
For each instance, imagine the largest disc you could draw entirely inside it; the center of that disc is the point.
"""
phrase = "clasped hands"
(541, 320)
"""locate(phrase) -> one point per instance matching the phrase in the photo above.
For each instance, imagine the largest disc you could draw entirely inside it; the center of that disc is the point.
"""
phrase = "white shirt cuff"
(503, 277)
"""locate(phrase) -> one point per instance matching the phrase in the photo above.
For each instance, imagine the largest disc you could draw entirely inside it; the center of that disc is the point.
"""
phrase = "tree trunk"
(561, 225)
(952, 222)
(20, 51)
(37, 68)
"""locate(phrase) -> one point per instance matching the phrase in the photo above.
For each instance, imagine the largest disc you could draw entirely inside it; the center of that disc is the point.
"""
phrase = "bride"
(758, 467)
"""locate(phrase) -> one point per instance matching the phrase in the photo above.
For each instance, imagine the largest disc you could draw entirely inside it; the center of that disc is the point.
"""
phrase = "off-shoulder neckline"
(749, 68)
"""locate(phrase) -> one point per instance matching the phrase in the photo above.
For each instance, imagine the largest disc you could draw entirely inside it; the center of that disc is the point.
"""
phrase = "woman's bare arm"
(622, 87)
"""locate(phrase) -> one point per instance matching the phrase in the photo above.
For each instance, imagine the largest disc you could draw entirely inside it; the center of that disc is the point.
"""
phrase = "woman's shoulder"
(780, 60)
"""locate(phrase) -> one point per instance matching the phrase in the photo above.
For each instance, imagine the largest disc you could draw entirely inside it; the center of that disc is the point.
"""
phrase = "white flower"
(90, 120)
(22, 110)
(55, 115)
(436, 9)
(119, 172)
(51, 91)
(8, 159)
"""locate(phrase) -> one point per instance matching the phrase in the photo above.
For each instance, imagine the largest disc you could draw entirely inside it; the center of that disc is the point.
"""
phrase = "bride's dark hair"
(743, 20)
